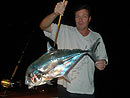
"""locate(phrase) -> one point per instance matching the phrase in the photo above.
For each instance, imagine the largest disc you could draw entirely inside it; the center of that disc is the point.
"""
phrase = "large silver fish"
(54, 64)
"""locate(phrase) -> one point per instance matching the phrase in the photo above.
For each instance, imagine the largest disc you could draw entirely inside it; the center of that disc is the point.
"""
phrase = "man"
(80, 37)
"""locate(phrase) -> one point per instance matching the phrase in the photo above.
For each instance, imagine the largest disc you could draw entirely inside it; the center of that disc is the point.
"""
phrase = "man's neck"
(84, 32)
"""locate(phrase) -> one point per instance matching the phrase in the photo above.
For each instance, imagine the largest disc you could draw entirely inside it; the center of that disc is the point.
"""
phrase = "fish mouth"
(33, 80)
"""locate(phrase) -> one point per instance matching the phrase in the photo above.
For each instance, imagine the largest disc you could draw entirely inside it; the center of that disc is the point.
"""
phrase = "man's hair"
(83, 6)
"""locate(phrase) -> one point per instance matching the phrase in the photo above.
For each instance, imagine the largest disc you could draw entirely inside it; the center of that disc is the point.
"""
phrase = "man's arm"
(47, 21)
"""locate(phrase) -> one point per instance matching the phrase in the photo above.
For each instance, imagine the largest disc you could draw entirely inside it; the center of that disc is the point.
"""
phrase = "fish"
(55, 63)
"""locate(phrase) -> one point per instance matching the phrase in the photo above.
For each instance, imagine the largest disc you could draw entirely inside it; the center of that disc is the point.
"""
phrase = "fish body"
(54, 64)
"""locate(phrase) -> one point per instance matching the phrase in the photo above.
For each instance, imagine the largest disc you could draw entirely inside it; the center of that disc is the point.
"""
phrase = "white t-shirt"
(82, 75)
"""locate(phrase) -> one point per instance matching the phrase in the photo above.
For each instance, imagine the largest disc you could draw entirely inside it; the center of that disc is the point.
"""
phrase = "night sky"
(20, 31)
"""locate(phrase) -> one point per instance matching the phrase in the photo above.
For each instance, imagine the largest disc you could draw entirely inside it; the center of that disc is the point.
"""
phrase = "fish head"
(33, 78)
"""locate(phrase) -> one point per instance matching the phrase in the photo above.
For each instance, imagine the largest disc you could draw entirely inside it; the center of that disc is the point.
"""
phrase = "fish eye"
(30, 75)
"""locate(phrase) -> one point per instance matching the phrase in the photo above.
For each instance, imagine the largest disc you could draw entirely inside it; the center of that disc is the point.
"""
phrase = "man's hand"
(60, 8)
(101, 64)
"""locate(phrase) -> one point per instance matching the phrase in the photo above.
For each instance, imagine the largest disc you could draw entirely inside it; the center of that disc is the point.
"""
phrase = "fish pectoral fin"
(66, 78)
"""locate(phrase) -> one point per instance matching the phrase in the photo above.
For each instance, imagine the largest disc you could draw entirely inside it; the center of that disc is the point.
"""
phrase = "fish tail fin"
(91, 53)
(95, 45)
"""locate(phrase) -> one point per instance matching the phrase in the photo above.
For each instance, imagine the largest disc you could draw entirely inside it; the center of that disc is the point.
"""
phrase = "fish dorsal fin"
(49, 47)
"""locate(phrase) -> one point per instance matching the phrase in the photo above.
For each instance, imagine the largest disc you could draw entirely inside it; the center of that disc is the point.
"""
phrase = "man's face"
(82, 19)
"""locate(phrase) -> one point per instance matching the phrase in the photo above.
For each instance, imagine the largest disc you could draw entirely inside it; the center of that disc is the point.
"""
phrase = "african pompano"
(54, 64)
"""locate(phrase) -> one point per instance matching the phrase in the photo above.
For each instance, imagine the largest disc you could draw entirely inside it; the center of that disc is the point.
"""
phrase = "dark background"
(20, 25)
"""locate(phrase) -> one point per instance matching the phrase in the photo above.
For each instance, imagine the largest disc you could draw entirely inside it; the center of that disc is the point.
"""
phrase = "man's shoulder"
(94, 32)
